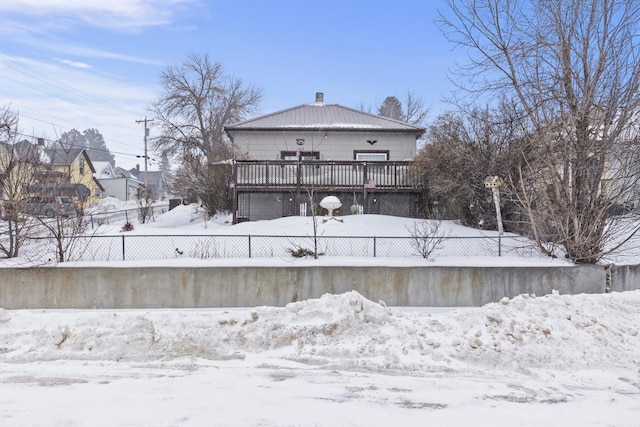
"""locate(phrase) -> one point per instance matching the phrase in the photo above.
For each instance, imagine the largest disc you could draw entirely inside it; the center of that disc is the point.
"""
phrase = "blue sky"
(95, 64)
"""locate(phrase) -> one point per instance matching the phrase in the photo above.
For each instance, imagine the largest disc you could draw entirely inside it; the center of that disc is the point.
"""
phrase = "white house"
(327, 149)
(116, 182)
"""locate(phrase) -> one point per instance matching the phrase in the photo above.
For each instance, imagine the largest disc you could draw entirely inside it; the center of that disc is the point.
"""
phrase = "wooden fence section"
(283, 174)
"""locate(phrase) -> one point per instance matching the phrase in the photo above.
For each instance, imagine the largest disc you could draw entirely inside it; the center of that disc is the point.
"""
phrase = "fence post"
(123, 258)
(249, 245)
(374, 246)
(499, 245)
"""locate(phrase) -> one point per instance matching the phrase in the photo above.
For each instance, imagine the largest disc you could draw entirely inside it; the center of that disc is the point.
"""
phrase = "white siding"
(332, 145)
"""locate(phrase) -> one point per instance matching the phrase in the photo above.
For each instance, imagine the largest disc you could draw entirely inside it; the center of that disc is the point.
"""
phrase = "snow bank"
(348, 332)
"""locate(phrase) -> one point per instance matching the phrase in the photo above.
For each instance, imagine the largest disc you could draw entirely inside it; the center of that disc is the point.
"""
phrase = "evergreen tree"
(391, 107)
(71, 139)
(97, 147)
(90, 139)
(165, 166)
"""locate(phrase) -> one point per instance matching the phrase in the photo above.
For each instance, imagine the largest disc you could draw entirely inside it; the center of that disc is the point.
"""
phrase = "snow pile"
(181, 214)
(110, 204)
(559, 332)
(346, 332)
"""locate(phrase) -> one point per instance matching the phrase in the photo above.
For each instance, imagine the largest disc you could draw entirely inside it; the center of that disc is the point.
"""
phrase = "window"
(369, 156)
(372, 156)
(304, 155)
(81, 166)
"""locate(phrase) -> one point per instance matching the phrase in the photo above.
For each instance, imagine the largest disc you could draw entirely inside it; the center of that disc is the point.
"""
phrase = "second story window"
(304, 155)
(369, 156)
(81, 166)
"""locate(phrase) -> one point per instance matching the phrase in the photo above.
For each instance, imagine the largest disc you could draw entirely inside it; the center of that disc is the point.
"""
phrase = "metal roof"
(322, 116)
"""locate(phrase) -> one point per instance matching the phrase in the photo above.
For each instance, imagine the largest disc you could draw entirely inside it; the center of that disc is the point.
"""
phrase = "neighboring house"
(324, 149)
(157, 184)
(73, 166)
(155, 181)
(29, 169)
(104, 170)
(19, 165)
(620, 179)
(117, 182)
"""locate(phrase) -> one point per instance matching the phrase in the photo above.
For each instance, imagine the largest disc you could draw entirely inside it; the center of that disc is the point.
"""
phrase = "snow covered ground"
(184, 221)
(340, 360)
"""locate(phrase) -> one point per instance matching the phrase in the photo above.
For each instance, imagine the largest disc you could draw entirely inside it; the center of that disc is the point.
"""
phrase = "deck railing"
(323, 173)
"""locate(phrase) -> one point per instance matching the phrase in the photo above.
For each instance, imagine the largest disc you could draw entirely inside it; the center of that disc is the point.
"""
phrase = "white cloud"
(119, 15)
(52, 98)
(75, 64)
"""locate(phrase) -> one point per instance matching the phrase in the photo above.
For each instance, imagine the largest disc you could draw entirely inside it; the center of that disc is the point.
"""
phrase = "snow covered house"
(117, 182)
(155, 180)
(323, 149)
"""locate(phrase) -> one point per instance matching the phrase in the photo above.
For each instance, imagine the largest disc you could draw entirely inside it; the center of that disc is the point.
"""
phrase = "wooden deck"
(288, 175)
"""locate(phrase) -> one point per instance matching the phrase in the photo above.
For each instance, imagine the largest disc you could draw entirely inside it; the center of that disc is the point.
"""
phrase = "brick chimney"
(319, 97)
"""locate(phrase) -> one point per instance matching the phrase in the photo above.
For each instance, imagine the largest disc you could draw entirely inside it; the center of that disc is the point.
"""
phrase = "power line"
(56, 84)
(37, 76)
(73, 145)
(66, 128)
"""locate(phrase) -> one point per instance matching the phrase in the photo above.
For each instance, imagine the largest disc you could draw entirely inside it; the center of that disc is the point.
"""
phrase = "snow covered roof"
(64, 157)
(322, 116)
(104, 170)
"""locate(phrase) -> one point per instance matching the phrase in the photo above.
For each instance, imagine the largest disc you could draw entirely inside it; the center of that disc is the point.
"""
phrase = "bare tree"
(572, 68)
(198, 99)
(67, 234)
(19, 164)
(197, 179)
(23, 167)
(16, 227)
(299, 251)
(426, 237)
(144, 202)
(412, 111)
(461, 151)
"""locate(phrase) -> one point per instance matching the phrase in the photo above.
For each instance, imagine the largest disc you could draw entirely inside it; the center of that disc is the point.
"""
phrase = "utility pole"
(146, 135)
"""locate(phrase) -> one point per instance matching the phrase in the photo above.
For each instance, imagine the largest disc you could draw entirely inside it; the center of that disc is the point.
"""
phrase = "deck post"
(234, 193)
(364, 188)
(298, 179)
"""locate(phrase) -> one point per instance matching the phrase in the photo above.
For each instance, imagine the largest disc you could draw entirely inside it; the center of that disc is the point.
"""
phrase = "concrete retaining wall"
(625, 278)
(196, 287)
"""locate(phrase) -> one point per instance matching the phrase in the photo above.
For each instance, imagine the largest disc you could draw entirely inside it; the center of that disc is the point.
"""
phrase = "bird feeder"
(494, 183)
(331, 203)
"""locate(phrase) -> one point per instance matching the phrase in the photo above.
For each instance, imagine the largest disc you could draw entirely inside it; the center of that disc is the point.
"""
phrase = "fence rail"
(147, 247)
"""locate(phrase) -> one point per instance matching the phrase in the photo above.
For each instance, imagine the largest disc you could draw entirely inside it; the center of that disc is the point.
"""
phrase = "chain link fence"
(148, 247)
(131, 247)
